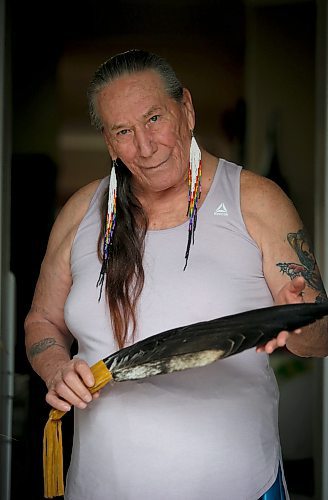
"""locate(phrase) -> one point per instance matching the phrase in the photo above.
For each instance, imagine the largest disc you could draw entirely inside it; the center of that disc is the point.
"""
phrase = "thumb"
(291, 292)
(297, 285)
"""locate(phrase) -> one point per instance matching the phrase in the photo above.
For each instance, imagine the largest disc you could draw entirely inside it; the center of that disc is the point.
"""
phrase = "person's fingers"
(269, 347)
(64, 403)
(260, 348)
(57, 403)
(273, 344)
(84, 371)
(72, 381)
(297, 284)
(291, 292)
(70, 386)
(279, 341)
(282, 338)
(73, 390)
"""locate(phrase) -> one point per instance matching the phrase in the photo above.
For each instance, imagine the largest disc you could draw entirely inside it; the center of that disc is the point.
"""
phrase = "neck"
(150, 198)
(158, 206)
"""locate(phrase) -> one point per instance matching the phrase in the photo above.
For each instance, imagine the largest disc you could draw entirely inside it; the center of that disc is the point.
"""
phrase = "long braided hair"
(125, 273)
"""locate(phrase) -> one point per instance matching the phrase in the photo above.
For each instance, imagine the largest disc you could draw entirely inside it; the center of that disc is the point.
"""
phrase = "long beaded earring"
(110, 226)
(194, 192)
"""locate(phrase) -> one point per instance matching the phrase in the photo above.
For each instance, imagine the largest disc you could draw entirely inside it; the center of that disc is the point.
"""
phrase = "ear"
(108, 144)
(189, 108)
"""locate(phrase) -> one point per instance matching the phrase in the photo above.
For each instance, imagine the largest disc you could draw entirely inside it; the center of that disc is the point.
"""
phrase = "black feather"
(201, 343)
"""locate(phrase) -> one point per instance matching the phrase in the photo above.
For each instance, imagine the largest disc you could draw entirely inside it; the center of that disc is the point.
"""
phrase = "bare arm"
(289, 265)
(47, 338)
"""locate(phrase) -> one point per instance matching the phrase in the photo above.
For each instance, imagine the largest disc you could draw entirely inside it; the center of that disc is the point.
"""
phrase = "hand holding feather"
(313, 340)
(71, 385)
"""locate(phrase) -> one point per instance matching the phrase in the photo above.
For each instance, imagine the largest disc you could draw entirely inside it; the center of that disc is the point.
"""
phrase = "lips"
(156, 166)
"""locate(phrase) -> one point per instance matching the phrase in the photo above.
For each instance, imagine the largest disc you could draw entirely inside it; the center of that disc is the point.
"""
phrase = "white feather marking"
(175, 363)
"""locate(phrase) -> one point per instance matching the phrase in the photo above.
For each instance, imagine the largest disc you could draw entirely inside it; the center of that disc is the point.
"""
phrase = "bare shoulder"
(262, 197)
(259, 192)
(55, 272)
(70, 216)
(265, 207)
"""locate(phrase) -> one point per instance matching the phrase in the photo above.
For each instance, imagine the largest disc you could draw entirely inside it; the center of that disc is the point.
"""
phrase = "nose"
(144, 142)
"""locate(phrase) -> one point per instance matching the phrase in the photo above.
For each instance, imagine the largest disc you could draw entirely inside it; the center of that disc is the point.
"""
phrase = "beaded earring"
(194, 192)
(110, 226)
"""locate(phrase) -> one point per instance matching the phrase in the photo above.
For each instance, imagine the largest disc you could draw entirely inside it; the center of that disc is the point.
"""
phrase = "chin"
(162, 183)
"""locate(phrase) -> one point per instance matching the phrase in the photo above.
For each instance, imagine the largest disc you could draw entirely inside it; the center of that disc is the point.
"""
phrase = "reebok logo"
(221, 210)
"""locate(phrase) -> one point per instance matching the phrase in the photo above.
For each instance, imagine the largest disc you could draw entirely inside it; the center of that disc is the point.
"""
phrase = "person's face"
(148, 130)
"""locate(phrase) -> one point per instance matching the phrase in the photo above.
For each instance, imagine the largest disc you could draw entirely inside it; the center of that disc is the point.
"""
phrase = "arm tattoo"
(42, 346)
(307, 266)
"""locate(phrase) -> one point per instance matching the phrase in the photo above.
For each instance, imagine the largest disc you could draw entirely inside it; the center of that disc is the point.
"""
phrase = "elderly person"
(206, 433)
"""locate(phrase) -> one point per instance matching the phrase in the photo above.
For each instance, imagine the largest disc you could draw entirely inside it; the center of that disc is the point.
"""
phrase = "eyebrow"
(150, 112)
(113, 128)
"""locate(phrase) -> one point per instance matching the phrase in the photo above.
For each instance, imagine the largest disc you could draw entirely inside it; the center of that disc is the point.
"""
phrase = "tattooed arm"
(305, 265)
(47, 338)
(289, 265)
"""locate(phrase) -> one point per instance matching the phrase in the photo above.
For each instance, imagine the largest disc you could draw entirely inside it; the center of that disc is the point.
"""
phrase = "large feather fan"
(202, 343)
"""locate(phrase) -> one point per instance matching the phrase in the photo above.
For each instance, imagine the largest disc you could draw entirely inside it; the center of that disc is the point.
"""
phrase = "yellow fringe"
(52, 439)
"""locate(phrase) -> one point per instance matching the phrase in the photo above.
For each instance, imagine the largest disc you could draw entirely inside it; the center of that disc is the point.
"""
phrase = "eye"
(123, 132)
(154, 119)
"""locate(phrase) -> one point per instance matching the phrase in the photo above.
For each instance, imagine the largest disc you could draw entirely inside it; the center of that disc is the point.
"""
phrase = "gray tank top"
(186, 435)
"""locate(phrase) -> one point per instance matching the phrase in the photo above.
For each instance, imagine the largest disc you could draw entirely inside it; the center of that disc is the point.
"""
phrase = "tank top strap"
(225, 189)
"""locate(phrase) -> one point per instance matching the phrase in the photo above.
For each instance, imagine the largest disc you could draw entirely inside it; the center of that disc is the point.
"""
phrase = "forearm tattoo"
(42, 346)
(307, 266)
